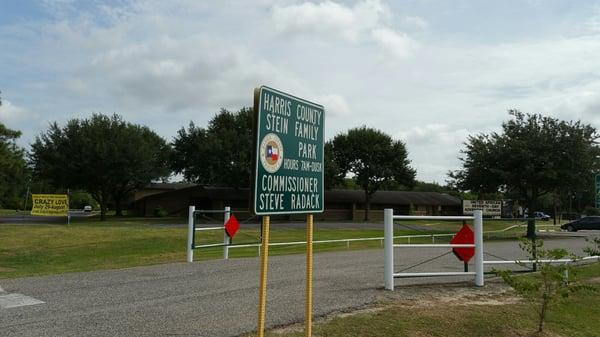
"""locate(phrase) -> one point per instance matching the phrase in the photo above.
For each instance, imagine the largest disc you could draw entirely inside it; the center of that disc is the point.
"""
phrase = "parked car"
(589, 222)
(541, 216)
(87, 209)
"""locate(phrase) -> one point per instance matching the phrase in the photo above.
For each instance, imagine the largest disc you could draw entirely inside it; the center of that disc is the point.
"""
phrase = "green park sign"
(598, 191)
(289, 154)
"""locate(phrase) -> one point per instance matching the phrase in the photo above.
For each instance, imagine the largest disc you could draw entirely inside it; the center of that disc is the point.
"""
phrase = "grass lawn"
(576, 316)
(4, 211)
(88, 244)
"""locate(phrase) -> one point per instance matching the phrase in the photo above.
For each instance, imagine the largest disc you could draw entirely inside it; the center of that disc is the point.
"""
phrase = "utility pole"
(27, 195)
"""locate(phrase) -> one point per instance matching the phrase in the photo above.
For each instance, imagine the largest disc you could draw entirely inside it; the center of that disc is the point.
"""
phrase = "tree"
(105, 156)
(550, 285)
(333, 176)
(13, 170)
(373, 159)
(220, 154)
(532, 156)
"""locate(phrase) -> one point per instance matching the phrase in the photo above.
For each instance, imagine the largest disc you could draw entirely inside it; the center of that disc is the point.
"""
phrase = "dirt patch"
(6, 269)
(594, 280)
(462, 297)
(430, 296)
(494, 293)
(299, 327)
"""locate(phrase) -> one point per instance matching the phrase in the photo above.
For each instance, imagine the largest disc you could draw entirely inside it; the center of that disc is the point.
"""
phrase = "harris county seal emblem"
(271, 153)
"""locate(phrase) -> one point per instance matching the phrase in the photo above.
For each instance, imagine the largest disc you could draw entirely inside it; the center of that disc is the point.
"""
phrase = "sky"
(428, 73)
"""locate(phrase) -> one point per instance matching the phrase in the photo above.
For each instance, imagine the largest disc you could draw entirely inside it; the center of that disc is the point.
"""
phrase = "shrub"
(550, 285)
(160, 212)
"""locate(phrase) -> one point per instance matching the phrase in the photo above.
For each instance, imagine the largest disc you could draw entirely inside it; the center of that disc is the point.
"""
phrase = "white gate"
(192, 229)
(389, 246)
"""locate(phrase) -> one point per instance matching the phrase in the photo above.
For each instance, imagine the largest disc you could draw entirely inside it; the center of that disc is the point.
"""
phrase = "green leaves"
(218, 155)
(533, 155)
(13, 169)
(550, 284)
(595, 249)
(103, 155)
(372, 157)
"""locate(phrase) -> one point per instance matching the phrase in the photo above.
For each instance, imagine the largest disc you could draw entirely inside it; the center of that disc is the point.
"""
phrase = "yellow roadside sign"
(50, 204)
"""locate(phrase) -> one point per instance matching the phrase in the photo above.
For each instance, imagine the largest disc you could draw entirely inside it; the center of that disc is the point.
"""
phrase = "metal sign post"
(262, 287)
(288, 174)
(598, 191)
(309, 273)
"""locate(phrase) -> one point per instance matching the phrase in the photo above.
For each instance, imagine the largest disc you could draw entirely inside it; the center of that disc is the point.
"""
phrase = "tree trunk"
(542, 315)
(531, 204)
(555, 206)
(102, 201)
(367, 205)
(118, 208)
(102, 211)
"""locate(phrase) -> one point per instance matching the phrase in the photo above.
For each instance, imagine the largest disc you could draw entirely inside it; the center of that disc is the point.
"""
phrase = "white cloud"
(366, 21)
(433, 149)
(582, 104)
(335, 105)
(395, 45)
(10, 113)
(415, 22)
(420, 72)
(433, 134)
(329, 18)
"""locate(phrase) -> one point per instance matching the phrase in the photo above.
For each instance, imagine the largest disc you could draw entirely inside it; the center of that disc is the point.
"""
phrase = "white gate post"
(190, 240)
(388, 248)
(226, 239)
(478, 224)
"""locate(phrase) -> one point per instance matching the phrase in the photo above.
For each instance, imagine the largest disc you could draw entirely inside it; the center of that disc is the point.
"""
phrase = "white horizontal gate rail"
(191, 242)
(389, 246)
(558, 261)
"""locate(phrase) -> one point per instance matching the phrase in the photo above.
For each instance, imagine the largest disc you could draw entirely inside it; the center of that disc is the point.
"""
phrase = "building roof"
(331, 196)
(394, 197)
(167, 186)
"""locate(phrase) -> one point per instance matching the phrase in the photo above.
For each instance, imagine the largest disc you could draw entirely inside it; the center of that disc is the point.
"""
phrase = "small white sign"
(489, 207)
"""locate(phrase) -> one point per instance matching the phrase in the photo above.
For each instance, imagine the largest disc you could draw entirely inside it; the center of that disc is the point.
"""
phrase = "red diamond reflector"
(231, 226)
(464, 236)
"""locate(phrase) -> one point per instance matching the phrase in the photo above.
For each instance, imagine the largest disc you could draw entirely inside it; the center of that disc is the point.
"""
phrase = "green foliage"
(220, 154)
(13, 170)
(333, 175)
(595, 249)
(422, 186)
(590, 210)
(412, 210)
(80, 199)
(373, 159)
(550, 285)
(532, 156)
(160, 212)
(105, 156)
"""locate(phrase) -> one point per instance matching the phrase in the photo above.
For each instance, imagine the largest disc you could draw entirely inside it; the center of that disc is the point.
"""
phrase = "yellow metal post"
(309, 272)
(262, 290)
